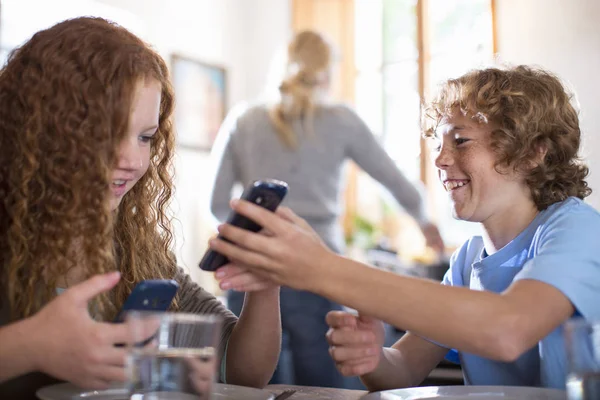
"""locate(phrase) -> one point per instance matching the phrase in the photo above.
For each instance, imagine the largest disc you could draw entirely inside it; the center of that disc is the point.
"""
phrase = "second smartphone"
(149, 295)
(267, 193)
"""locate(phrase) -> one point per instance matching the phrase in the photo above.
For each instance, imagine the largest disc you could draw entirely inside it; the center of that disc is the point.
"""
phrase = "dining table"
(68, 391)
(451, 392)
(316, 393)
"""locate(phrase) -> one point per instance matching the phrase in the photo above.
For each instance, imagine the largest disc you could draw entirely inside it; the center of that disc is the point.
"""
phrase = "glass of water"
(582, 339)
(174, 355)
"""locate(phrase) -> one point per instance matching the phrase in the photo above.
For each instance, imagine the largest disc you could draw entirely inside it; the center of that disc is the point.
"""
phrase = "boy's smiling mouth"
(453, 184)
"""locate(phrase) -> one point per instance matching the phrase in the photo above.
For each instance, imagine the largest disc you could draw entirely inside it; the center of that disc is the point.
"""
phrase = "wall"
(563, 36)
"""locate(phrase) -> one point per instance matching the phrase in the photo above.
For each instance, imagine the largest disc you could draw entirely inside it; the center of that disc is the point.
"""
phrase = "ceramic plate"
(469, 393)
(67, 391)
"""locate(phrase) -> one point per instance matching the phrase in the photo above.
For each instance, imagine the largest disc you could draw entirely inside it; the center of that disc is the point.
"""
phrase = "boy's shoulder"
(571, 214)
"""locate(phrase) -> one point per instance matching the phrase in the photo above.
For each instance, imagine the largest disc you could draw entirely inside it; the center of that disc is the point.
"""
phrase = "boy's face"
(465, 162)
(133, 153)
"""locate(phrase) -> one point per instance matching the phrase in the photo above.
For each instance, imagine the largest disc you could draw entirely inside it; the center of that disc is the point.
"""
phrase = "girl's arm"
(254, 345)
(16, 352)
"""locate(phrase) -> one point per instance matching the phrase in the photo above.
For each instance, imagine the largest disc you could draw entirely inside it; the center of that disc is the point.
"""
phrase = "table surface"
(317, 393)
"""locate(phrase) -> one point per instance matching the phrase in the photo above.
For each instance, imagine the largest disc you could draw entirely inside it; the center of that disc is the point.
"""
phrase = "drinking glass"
(174, 356)
(582, 339)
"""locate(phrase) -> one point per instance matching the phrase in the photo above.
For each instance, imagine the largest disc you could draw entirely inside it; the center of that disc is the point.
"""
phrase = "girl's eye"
(460, 141)
(146, 138)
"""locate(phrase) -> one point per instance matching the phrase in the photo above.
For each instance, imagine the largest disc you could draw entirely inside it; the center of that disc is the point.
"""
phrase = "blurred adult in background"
(305, 140)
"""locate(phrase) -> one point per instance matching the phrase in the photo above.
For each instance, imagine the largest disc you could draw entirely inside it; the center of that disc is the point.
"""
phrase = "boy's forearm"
(17, 357)
(412, 304)
(390, 373)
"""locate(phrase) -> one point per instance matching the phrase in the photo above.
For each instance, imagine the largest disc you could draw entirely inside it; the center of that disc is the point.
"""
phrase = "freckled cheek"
(145, 162)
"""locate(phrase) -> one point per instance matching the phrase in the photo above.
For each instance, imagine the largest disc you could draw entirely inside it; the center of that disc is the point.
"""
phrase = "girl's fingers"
(112, 373)
(228, 270)
(115, 356)
(245, 282)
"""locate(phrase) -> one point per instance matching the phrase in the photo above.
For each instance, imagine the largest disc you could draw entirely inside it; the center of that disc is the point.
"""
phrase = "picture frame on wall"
(200, 101)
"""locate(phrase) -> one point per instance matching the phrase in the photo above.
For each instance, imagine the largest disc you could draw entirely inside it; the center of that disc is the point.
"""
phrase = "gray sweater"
(248, 148)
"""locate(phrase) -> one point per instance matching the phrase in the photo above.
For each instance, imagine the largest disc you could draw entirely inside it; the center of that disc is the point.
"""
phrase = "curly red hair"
(535, 126)
(65, 100)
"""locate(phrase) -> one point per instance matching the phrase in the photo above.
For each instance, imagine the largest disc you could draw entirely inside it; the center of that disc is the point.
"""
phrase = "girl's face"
(465, 162)
(133, 153)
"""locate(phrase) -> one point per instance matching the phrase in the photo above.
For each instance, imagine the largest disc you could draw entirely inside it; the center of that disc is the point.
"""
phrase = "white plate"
(469, 393)
(67, 391)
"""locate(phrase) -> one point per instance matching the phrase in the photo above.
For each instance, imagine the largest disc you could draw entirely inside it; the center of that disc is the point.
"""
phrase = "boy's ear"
(541, 150)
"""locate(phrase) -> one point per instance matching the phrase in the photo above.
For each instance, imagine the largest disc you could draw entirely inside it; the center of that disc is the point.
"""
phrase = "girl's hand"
(71, 346)
(288, 252)
(356, 342)
(241, 279)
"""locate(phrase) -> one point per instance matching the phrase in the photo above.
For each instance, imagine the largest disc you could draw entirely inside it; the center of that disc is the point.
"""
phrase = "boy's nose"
(444, 158)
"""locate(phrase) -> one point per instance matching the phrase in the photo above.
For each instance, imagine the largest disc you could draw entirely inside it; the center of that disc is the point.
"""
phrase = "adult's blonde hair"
(65, 102)
(309, 62)
(535, 126)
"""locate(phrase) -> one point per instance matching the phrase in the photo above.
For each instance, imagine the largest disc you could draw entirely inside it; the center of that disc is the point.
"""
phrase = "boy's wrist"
(327, 268)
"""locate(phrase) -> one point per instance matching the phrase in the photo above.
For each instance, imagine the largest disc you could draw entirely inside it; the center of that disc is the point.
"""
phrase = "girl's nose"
(129, 155)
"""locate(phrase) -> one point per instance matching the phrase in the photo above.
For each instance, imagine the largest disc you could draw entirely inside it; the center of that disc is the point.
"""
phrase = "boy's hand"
(356, 342)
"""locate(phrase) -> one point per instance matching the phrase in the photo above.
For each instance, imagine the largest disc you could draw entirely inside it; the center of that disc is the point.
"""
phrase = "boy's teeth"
(118, 182)
(454, 184)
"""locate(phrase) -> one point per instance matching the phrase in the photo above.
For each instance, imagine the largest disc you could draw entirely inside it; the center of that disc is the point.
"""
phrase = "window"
(403, 49)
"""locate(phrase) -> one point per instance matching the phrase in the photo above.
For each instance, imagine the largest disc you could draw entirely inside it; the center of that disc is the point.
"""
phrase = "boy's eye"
(460, 141)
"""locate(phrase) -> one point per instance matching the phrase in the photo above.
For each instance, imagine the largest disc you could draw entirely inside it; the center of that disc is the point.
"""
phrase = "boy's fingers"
(260, 215)
(340, 319)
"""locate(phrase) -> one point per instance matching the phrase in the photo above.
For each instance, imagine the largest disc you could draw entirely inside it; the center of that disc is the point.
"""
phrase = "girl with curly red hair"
(86, 143)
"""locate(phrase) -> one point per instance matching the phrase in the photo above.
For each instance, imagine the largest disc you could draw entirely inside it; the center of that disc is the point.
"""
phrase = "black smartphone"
(149, 295)
(266, 193)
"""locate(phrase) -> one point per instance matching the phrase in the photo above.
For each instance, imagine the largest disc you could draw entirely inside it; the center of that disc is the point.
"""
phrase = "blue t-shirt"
(560, 247)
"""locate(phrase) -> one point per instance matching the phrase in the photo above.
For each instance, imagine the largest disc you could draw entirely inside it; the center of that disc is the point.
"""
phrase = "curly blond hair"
(535, 127)
(65, 101)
